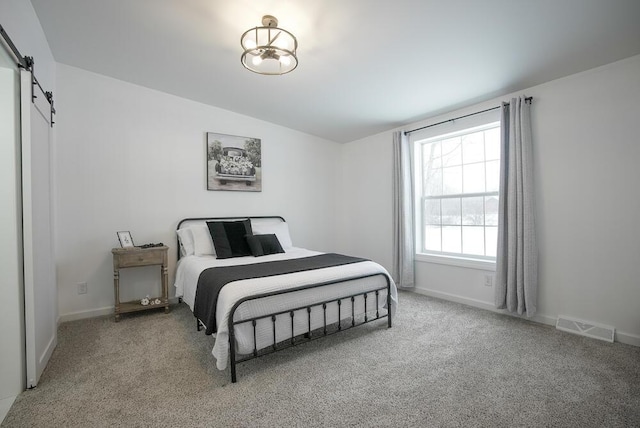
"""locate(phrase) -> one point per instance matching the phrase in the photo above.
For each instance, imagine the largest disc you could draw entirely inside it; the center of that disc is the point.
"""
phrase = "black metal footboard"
(309, 334)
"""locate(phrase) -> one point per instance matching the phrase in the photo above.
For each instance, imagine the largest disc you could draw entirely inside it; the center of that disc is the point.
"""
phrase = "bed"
(275, 300)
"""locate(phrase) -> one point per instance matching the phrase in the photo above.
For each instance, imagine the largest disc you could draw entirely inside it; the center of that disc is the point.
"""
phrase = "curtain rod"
(461, 117)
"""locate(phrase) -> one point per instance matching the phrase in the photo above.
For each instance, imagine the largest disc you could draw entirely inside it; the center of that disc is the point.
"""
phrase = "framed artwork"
(126, 241)
(234, 163)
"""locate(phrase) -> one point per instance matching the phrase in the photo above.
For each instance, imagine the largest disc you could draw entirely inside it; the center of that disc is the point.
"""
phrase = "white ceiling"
(366, 66)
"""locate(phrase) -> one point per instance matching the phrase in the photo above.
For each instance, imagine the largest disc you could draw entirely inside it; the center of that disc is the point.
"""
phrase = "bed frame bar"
(308, 336)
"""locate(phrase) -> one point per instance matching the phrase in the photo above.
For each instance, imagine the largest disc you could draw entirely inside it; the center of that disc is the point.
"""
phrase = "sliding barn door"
(40, 289)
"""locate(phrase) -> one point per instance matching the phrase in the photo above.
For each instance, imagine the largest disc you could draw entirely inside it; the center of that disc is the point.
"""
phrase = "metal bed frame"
(310, 334)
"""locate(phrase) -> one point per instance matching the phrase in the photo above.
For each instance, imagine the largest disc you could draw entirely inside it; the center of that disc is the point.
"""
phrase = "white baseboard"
(89, 313)
(454, 298)
(489, 306)
(622, 337)
(92, 313)
(628, 338)
(5, 405)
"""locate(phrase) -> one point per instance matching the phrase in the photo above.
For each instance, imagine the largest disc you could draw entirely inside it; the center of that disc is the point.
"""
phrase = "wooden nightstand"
(134, 257)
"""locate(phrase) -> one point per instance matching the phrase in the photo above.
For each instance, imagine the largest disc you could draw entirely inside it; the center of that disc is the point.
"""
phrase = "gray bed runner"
(212, 280)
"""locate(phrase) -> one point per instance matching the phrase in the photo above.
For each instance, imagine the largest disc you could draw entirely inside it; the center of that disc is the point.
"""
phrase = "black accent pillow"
(228, 238)
(262, 245)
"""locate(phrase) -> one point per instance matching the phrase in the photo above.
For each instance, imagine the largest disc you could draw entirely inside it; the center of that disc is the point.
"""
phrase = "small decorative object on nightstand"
(134, 257)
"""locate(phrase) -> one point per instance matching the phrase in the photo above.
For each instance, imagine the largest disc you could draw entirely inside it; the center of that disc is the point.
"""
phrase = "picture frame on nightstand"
(126, 241)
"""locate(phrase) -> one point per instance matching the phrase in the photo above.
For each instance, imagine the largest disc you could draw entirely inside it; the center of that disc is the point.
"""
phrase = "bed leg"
(198, 326)
(388, 302)
(232, 348)
(232, 356)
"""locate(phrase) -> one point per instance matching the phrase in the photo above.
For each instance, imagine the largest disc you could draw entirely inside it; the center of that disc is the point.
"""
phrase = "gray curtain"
(517, 258)
(403, 214)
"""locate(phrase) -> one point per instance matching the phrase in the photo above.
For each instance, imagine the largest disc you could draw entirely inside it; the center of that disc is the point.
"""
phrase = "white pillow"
(186, 242)
(203, 245)
(281, 229)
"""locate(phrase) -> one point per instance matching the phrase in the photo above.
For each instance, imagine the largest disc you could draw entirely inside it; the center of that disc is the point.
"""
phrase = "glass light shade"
(282, 43)
(285, 60)
(269, 50)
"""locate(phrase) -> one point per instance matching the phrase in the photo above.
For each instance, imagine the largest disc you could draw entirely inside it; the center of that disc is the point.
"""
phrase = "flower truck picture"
(233, 163)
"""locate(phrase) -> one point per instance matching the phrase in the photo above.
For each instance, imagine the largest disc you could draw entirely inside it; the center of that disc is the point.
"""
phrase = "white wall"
(585, 130)
(21, 24)
(20, 21)
(131, 158)
(364, 195)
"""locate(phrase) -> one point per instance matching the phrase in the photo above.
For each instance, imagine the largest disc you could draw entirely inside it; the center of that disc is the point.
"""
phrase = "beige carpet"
(442, 365)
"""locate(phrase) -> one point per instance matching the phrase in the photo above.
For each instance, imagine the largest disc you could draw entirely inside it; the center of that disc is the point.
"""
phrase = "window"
(457, 183)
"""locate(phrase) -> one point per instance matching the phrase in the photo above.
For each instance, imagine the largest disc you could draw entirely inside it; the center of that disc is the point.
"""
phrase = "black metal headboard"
(205, 219)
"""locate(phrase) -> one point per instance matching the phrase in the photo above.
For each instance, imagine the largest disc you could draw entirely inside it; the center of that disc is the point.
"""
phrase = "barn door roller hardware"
(27, 63)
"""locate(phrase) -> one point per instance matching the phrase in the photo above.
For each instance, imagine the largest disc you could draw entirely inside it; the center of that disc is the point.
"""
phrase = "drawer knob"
(140, 258)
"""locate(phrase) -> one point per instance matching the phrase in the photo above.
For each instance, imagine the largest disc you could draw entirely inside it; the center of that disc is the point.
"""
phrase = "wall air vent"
(586, 328)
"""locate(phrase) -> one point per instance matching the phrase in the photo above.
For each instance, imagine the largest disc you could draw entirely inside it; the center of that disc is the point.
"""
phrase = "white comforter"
(189, 269)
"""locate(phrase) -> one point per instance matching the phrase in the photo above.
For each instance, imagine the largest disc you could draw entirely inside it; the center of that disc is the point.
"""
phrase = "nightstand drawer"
(141, 258)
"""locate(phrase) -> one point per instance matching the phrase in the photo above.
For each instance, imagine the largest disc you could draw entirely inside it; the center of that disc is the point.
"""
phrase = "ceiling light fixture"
(268, 49)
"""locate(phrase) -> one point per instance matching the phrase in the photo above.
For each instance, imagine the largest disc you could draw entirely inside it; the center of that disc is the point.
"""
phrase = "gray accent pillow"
(262, 245)
(229, 238)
